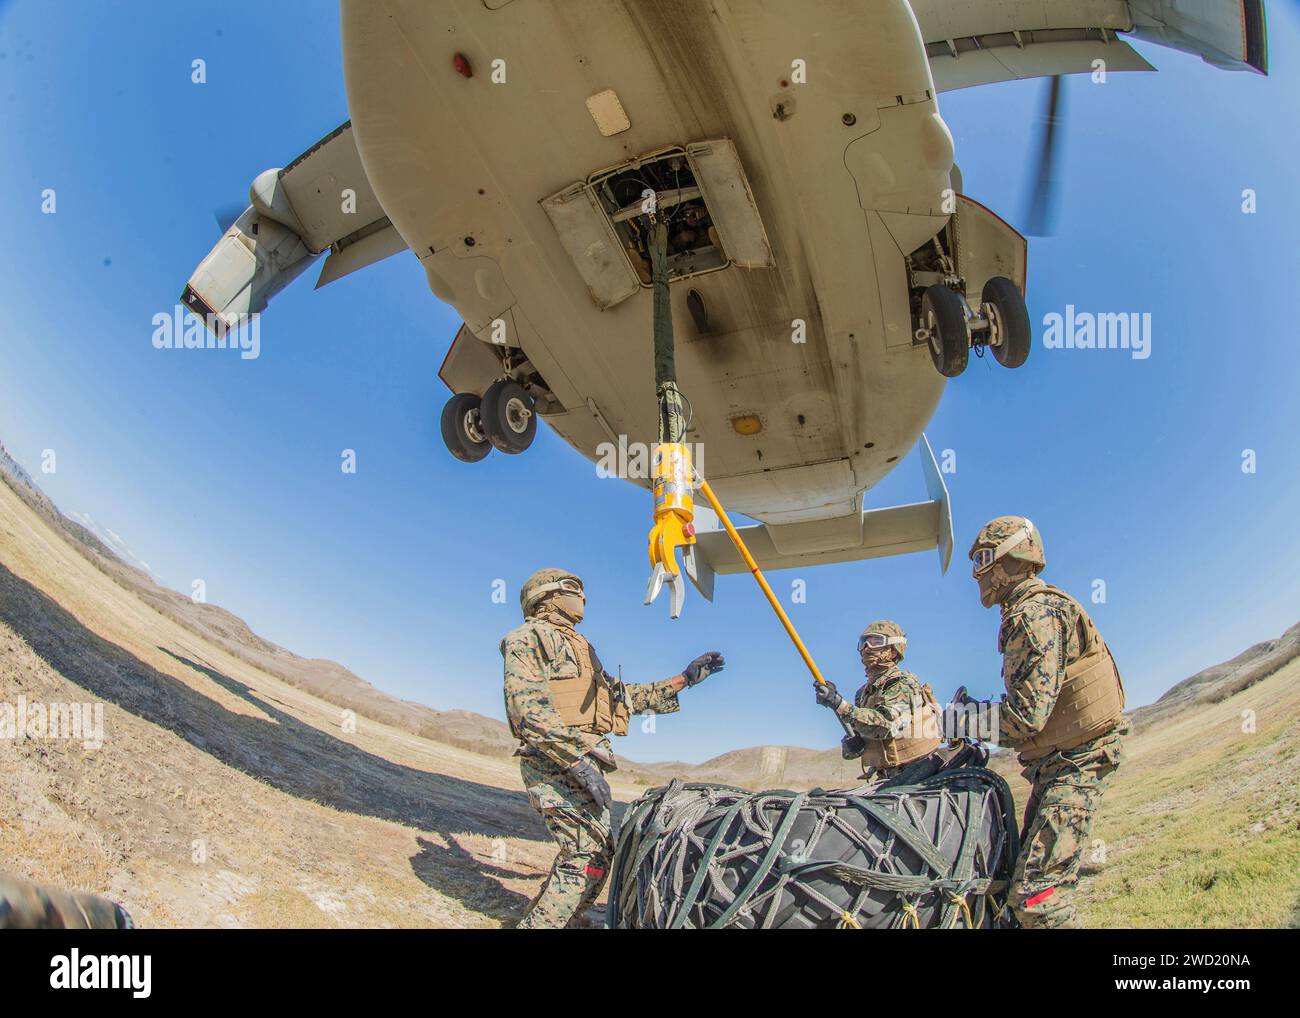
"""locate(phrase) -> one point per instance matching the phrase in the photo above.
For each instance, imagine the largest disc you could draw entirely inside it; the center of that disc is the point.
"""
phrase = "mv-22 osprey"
(827, 273)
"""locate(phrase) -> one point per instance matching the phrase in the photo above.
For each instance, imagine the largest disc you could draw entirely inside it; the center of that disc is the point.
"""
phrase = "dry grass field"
(223, 796)
(1202, 827)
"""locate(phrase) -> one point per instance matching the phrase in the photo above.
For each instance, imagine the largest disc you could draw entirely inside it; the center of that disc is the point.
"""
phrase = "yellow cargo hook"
(673, 527)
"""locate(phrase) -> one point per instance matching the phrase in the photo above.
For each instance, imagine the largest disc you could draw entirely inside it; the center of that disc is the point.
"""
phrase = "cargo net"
(936, 852)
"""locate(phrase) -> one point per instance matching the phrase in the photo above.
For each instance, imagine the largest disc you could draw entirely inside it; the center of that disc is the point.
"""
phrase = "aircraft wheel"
(943, 317)
(1015, 337)
(509, 419)
(462, 428)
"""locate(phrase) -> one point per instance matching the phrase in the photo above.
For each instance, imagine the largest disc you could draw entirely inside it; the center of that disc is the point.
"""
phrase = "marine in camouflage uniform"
(894, 716)
(562, 705)
(1062, 713)
(25, 906)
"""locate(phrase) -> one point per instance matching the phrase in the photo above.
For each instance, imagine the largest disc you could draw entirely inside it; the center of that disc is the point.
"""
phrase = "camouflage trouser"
(581, 829)
(1066, 790)
(25, 906)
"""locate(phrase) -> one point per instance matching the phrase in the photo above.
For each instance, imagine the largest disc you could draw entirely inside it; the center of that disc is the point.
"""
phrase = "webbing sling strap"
(908, 833)
(706, 862)
(657, 827)
(882, 867)
(630, 831)
(773, 850)
(963, 864)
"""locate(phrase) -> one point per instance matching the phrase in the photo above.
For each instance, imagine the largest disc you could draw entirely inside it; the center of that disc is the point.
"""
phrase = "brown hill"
(326, 679)
(1218, 682)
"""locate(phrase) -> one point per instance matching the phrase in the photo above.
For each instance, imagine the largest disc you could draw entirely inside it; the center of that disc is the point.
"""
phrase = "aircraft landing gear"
(462, 428)
(1004, 305)
(508, 415)
(950, 328)
(505, 419)
(943, 323)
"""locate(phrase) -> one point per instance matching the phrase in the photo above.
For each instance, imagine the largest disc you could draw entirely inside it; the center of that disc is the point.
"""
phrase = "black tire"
(462, 430)
(1015, 336)
(509, 418)
(944, 316)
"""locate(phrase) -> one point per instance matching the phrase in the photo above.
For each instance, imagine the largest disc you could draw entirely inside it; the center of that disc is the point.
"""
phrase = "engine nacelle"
(253, 261)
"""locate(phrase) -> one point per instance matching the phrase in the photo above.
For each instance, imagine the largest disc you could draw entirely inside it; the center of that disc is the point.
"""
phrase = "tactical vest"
(1091, 700)
(586, 699)
(921, 738)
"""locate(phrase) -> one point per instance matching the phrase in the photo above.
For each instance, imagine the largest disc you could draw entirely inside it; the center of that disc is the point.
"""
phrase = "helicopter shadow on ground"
(283, 752)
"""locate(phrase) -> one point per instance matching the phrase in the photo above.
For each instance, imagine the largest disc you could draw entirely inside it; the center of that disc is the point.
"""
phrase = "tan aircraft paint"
(841, 206)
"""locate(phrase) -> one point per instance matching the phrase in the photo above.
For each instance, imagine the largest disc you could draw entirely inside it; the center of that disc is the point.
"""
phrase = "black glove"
(590, 778)
(828, 695)
(702, 667)
(962, 697)
(852, 746)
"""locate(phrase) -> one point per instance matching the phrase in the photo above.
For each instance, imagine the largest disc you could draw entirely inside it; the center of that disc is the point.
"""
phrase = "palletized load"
(936, 852)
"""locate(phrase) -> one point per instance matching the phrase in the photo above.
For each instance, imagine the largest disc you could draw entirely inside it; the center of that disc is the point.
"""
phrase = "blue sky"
(214, 468)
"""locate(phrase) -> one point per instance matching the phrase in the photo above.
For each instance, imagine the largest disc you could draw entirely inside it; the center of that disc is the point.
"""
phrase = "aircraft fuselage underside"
(805, 374)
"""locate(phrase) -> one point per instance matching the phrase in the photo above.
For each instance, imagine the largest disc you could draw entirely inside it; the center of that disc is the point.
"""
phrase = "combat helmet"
(891, 633)
(547, 581)
(1013, 537)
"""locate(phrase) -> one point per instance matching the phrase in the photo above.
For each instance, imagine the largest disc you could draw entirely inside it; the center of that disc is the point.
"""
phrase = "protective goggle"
(983, 558)
(876, 641)
(567, 585)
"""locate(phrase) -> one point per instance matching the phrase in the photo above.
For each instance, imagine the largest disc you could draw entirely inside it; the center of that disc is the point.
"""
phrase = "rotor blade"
(1038, 217)
(227, 214)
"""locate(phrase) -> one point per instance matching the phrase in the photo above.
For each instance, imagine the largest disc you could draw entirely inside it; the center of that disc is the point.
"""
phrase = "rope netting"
(934, 852)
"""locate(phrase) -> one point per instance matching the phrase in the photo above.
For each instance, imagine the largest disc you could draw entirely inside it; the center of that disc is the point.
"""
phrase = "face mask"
(997, 581)
(571, 606)
(877, 661)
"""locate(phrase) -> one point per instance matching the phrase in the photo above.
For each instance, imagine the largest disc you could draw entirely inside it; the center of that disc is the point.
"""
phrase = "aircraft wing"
(320, 204)
(867, 533)
(978, 42)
